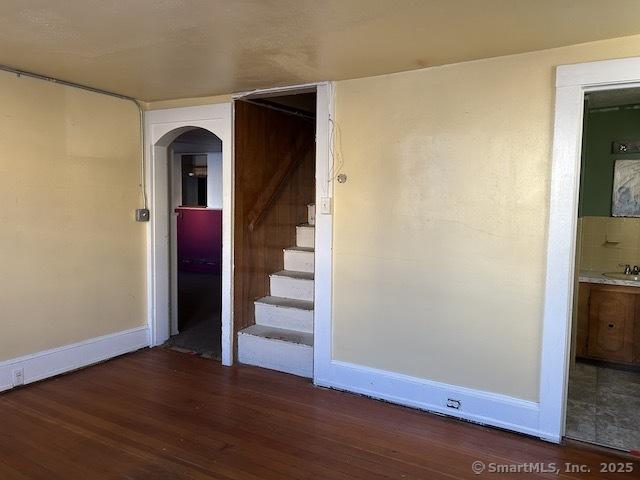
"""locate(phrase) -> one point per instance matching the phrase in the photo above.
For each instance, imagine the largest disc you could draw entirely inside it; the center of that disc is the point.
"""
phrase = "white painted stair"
(282, 338)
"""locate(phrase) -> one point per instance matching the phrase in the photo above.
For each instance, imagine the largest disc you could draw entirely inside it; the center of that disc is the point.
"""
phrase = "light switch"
(325, 205)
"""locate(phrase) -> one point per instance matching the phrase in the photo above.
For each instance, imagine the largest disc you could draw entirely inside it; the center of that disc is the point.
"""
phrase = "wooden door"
(611, 324)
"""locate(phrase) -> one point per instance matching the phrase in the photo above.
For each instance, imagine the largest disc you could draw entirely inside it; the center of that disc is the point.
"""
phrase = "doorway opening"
(603, 402)
(274, 229)
(195, 209)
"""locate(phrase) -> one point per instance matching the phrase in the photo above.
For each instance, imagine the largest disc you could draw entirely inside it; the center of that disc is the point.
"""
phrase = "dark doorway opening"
(196, 208)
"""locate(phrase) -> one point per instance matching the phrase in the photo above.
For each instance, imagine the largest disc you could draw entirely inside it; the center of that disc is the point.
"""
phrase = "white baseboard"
(49, 363)
(475, 405)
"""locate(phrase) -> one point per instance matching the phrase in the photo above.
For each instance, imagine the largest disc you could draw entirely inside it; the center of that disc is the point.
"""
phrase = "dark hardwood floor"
(159, 414)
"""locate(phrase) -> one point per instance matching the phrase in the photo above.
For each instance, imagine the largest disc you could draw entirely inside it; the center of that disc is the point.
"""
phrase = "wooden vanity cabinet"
(582, 329)
(608, 323)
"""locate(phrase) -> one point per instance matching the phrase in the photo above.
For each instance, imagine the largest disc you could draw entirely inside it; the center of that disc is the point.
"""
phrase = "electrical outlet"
(455, 404)
(18, 377)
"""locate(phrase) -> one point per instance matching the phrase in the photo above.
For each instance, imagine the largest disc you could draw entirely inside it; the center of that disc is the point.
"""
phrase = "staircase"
(282, 338)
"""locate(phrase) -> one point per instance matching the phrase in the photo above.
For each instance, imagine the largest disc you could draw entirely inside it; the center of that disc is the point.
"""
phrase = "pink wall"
(199, 240)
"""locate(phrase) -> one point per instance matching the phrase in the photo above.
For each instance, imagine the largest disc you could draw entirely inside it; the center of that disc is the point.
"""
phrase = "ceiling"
(197, 140)
(165, 49)
(614, 98)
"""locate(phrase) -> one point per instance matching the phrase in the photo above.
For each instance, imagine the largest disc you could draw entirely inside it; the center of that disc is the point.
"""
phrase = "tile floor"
(604, 406)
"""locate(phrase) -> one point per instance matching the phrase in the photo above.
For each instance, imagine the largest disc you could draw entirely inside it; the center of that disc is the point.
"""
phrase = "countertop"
(588, 276)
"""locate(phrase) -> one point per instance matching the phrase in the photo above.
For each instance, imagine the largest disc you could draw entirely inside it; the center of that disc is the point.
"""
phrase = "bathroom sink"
(622, 276)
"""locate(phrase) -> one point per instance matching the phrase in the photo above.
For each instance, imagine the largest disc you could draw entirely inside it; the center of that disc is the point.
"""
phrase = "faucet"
(636, 270)
(627, 270)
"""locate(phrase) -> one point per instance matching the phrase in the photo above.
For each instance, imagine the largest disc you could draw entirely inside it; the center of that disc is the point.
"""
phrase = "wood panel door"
(611, 323)
(264, 141)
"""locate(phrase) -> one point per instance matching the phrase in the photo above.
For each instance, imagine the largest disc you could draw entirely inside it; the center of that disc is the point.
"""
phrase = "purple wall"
(199, 240)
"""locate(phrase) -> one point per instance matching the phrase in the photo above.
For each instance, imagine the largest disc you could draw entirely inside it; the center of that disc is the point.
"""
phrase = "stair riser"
(293, 358)
(299, 261)
(280, 317)
(311, 214)
(295, 288)
(305, 237)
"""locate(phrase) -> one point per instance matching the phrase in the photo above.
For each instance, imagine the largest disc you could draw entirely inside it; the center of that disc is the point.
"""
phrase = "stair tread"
(293, 274)
(300, 249)
(286, 302)
(281, 334)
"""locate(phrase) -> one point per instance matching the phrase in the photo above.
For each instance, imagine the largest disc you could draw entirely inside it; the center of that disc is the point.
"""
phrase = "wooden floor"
(159, 414)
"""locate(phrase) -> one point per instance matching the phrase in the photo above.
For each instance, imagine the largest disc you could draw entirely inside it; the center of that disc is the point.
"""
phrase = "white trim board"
(475, 405)
(162, 127)
(323, 275)
(49, 363)
(572, 82)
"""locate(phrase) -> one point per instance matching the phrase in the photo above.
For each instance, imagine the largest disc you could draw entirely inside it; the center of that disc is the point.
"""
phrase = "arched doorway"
(164, 127)
(195, 211)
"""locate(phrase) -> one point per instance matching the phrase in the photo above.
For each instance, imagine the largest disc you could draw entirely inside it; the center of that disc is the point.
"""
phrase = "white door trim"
(572, 81)
(162, 127)
(324, 220)
(323, 277)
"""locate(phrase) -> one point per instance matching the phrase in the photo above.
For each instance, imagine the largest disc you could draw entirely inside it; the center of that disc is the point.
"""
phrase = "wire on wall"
(335, 149)
(143, 174)
(335, 145)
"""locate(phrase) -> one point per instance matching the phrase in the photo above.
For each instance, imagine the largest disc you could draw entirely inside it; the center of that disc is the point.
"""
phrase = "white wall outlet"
(18, 377)
(453, 403)
(325, 205)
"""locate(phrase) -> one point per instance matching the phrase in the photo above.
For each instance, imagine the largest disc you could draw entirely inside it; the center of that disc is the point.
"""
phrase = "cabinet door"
(611, 319)
(582, 317)
(636, 335)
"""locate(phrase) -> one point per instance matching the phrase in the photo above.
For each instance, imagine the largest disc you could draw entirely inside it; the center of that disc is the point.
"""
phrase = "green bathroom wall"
(602, 127)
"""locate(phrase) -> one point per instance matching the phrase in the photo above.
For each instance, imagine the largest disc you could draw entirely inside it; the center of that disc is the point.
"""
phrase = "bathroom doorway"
(603, 405)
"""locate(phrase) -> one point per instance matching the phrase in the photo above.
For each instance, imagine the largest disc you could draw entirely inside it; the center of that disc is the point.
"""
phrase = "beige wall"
(607, 242)
(440, 230)
(72, 257)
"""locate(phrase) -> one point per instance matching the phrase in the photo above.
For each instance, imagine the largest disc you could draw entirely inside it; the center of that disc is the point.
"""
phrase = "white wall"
(214, 180)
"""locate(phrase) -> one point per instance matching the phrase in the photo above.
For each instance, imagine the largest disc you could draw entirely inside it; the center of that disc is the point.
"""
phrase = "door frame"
(572, 82)
(323, 276)
(161, 128)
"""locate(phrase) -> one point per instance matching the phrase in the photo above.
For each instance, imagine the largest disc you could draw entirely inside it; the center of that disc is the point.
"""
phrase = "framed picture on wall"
(626, 189)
